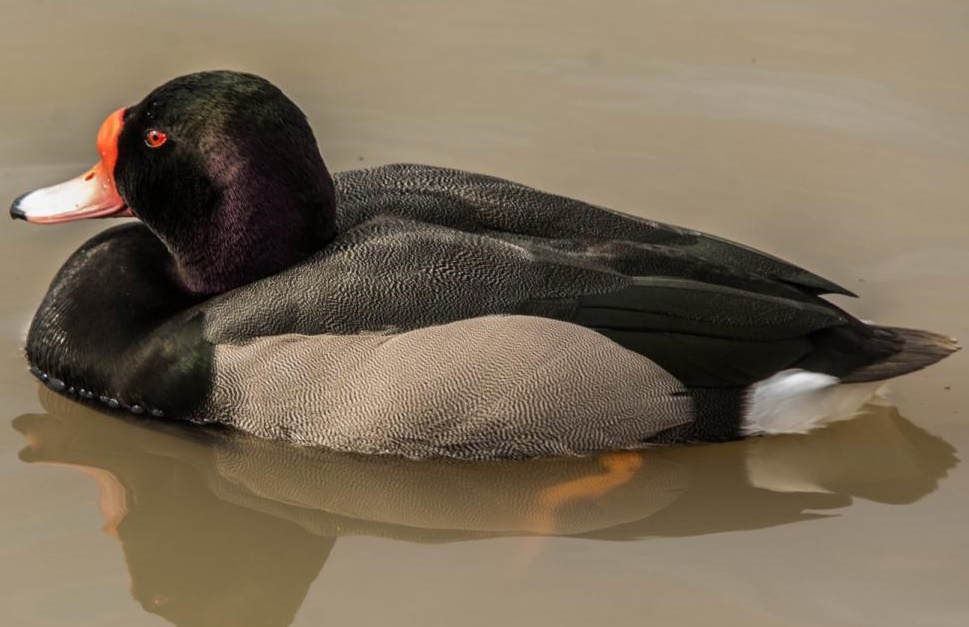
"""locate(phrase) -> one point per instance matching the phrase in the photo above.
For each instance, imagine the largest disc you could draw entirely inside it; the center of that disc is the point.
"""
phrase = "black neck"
(244, 220)
(231, 248)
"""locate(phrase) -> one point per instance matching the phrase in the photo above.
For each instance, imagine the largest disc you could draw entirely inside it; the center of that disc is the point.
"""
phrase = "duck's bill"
(91, 195)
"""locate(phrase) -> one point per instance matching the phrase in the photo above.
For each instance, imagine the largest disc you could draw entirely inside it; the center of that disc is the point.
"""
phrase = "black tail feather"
(919, 349)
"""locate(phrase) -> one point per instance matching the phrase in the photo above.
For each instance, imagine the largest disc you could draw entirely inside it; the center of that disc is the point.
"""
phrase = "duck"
(420, 311)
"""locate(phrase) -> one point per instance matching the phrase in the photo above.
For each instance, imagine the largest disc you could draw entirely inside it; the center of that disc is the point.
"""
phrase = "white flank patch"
(796, 401)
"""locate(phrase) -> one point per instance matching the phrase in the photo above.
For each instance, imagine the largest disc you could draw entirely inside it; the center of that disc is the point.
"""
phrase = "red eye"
(155, 138)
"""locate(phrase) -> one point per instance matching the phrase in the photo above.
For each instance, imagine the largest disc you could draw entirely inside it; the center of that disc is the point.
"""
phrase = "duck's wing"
(675, 305)
(712, 335)
(709, 328)
(476, 202)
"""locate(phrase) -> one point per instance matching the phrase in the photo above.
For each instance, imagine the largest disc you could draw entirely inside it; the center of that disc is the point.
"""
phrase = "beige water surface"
(832, 133)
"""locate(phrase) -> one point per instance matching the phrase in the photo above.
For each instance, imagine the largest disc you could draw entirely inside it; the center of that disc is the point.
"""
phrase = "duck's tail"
(919, 349)
(797, 401)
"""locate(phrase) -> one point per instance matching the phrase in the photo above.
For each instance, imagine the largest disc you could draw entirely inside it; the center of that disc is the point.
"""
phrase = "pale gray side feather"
(484, 388)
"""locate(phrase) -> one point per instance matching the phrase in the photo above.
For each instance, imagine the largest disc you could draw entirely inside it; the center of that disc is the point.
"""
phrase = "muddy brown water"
(835, 134)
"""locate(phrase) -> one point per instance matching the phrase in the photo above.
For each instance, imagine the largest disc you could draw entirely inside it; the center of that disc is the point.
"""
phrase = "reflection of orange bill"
(619, 469)
(112, 499)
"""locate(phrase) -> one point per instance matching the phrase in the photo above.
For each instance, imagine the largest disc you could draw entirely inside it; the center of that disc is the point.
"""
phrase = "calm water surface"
(833, 133)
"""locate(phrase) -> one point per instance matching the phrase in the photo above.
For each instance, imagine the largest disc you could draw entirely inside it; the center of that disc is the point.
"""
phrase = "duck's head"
(221, 166)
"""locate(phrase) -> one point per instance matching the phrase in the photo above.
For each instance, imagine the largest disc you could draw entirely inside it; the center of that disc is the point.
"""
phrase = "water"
(833, 134)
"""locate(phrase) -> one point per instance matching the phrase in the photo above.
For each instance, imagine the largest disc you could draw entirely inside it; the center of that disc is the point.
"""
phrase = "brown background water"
(833, 133)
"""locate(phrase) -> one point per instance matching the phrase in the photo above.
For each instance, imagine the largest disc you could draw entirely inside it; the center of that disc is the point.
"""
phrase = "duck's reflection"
(219, 528)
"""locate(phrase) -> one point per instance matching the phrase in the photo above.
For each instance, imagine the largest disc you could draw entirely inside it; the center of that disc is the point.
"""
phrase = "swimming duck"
(417, 310)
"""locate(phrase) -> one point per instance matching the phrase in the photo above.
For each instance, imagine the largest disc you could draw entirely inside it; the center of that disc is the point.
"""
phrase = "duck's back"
(474, 202)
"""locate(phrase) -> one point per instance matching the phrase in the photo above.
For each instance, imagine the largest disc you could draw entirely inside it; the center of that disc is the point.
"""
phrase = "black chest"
(113, 327)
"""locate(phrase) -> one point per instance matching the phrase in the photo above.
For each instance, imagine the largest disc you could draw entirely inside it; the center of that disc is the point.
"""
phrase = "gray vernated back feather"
(421, 246)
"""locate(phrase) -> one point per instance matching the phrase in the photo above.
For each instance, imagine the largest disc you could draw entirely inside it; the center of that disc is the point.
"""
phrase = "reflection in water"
(219, 528)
